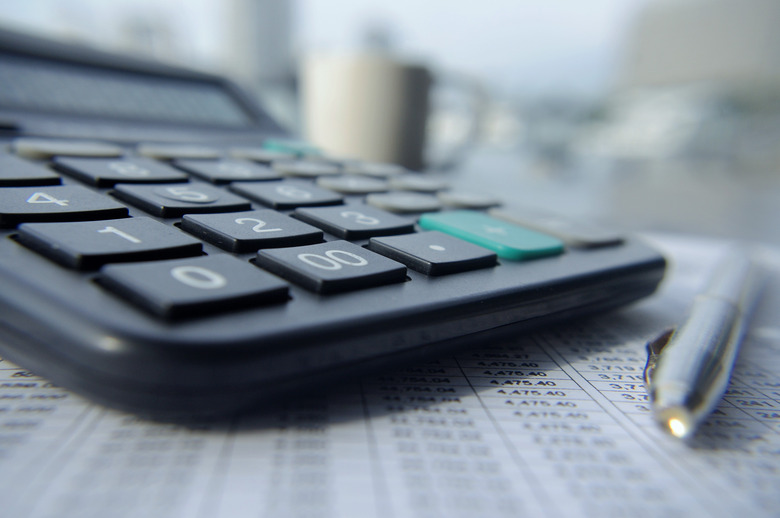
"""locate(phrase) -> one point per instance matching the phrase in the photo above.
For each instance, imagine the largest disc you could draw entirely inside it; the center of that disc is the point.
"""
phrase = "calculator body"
(65, 324)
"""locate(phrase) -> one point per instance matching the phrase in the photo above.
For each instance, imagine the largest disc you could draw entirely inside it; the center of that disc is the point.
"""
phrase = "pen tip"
(677, 421)
(677, 427)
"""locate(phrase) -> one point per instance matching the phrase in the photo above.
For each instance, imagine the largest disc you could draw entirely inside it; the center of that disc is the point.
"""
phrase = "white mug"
(367, 106)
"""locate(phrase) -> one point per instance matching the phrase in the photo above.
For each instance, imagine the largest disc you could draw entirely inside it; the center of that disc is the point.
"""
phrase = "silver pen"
(688, 369)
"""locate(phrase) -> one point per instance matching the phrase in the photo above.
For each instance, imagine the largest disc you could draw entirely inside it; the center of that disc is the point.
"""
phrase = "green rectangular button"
(295, 147)
(509, 241)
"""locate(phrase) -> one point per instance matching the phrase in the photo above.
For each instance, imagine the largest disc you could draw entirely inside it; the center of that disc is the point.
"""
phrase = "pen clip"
(654, 348)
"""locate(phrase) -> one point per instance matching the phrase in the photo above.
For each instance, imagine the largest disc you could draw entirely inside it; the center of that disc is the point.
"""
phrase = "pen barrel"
(694, 368)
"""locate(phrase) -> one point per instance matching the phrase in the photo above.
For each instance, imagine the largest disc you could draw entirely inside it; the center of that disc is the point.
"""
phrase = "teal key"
(295, 147)
(509, 241)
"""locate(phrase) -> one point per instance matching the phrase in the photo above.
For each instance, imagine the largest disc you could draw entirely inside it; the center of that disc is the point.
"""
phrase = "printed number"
(129, 169)
(125, 235)
(333, 260)
(198, 277)
(186, 194)
(360, 218)
(259, 226)
(42, 197)
(293, 192)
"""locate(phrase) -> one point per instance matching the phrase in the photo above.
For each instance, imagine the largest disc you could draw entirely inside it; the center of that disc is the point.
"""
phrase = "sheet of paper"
(556, 423)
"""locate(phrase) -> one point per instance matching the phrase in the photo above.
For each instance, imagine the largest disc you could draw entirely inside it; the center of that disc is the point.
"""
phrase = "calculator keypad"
(310, 201)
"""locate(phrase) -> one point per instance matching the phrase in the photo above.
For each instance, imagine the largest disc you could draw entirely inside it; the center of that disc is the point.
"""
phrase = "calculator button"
(47, 148)
(408, 202)
(241, 232)
(226, 171)
(89, 245)
(574, 233)
(55, 203)
(306, 169)
(103, 172)
(377, 169)
(355, 221)
(171, 201)
(328, 160)
(509, 241)
(185, 287)
(264, 156)
(172, 151)
(296, 147)
(467, 200)
(287, 194)
(433, 253)
(332, 267)
(417, 182)
(353, 184)
(17, 172)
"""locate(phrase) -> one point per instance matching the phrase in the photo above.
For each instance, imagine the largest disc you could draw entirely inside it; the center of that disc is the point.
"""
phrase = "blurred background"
(659, 115)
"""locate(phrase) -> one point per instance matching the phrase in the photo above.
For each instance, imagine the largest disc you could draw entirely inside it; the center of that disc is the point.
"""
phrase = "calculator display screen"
(74, 89)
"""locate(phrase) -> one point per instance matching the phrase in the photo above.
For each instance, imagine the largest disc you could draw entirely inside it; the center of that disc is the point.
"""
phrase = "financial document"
(555, 423)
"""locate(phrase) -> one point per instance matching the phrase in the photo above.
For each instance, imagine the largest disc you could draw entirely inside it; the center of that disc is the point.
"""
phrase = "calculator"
(166, 247)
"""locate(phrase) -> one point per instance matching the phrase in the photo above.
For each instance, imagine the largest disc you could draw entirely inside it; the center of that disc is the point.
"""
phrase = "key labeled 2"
(251, 230)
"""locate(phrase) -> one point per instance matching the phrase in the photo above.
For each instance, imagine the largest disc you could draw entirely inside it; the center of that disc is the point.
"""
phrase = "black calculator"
(167, 248)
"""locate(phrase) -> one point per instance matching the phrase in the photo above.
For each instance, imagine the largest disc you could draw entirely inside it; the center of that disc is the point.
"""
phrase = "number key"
(55, 203)
(355, 222)
(185, 287)
(226, 171)
(17, 172)
(91, 244)
(331, 267)
(249, 231)
(107, 172)
(170, 201)
(286, 194)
